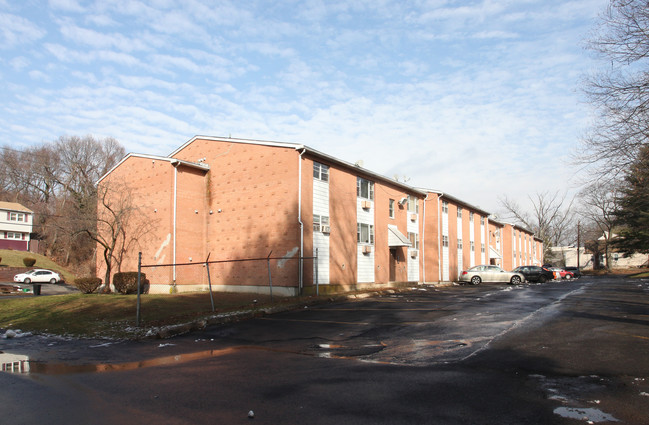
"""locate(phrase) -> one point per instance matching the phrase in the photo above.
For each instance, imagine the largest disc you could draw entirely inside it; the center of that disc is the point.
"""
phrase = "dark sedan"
(535, 273)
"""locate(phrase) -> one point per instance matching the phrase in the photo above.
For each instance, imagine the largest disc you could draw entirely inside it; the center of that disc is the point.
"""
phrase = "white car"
(38, 276)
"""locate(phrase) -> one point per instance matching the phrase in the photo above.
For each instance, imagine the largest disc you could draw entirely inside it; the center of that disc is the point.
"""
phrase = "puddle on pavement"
(341, 351)
(15, 363)
(21, 364)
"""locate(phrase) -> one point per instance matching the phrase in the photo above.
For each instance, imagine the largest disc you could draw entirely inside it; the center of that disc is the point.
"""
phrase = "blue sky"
(475, 98)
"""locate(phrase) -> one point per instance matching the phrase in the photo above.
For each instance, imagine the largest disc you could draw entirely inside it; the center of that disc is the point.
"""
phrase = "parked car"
(560, 273)
(576, 273)
(477, 274)
(38, 276)
(535, 273)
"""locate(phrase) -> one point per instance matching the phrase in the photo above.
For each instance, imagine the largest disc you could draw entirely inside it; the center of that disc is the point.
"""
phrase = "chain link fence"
(264, 275)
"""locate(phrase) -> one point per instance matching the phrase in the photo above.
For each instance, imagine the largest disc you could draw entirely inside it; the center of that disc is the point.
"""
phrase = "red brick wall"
(252, 191)
(431, 252)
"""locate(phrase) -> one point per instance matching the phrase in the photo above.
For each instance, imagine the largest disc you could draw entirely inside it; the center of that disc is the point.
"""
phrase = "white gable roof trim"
(172, 161)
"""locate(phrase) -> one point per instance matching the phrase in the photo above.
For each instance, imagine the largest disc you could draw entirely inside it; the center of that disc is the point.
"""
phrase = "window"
(472, 246)
(364, 189)
(414, 240)
(12, 216)
(320, 172)
(459, 212)
(13, 235)
(413, 205)
(445, 207)
(445, 240)
(482, 221)
(318, 221)
(365, 233)
(471, 216)
(459, 244)
(391, 208)
(482, 248)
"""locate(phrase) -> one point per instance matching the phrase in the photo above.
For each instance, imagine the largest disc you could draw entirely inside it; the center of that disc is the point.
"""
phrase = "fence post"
(270, 278)
(317, 287)
(139, 276)
(209, 281)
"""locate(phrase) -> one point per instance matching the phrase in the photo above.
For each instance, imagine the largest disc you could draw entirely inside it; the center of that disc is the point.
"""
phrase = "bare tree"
(116, 225)
(620, 93)
(57, 181)
(550, 216)
(597, 205)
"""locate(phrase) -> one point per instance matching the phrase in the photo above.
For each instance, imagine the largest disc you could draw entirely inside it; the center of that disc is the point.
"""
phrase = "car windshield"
(31, 272)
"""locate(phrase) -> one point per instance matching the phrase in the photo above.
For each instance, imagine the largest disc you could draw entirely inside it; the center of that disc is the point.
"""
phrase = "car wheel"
(52, 281)
(516, 280)
(475, 280)
(542, 279)
(27, 281)
(568, 277)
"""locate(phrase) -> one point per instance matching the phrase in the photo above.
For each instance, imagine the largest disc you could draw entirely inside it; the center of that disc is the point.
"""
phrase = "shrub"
(87, 285)
(126, 283)
(29, 261)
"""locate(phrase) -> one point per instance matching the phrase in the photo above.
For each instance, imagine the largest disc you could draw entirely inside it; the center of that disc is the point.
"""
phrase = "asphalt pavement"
(554, 353)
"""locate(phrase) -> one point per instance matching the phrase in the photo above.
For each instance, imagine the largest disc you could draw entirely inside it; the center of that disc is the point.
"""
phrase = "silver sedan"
(477, 274)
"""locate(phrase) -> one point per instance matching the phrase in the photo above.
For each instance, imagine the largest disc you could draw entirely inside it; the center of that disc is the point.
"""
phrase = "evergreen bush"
(29, 261)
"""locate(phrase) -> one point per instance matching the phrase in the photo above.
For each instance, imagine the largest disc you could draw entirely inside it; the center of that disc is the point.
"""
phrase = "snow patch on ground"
(587, 414)
(15, 333)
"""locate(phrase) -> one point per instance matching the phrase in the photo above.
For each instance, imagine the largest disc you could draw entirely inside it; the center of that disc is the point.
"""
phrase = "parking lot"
(536, 354)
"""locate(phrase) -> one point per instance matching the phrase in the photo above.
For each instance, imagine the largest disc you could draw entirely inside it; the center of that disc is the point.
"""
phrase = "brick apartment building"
(235, 199)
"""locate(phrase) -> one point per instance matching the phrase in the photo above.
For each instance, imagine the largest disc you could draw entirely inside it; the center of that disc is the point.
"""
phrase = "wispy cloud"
(476, 98)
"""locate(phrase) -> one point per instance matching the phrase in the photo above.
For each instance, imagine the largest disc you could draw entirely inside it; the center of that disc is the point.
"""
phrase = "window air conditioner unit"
(325, 229)
(366, 205)
(413, 217)
(367, 249)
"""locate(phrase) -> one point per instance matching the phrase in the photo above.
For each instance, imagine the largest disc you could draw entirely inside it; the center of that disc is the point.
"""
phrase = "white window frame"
(368, 185)
(365, 234)
(445, 207)
(320, 172)
(16, 216)
(413, 205)
(445, 240)
(319, 221)
(414, 240)
(391, 208)
(459, 212)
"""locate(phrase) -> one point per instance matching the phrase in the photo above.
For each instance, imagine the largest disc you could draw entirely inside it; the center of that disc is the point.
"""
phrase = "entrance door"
(394, 259)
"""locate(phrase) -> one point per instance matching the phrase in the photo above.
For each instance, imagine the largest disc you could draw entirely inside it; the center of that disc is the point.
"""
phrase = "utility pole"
(578, 242)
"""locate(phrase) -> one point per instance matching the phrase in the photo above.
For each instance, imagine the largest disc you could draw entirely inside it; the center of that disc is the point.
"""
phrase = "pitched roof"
(14, 206)
(307, 150)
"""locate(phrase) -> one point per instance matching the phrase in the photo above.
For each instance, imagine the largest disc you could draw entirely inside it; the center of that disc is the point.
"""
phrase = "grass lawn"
(114, 316)
(11, 258)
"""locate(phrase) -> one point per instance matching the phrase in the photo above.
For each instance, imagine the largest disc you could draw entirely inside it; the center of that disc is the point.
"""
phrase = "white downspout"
(423, 239)
(299, 220)
(175, 165)
(439, 238)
